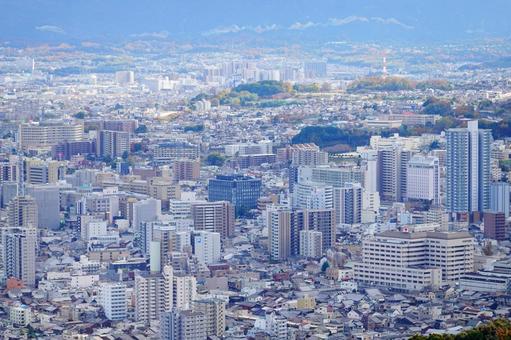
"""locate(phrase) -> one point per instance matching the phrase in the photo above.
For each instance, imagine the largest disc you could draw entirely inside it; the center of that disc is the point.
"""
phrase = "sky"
(39, 21)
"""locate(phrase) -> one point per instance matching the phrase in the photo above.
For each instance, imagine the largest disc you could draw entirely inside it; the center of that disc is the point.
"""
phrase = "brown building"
(214, 216)
(495, 225)
(186, 169)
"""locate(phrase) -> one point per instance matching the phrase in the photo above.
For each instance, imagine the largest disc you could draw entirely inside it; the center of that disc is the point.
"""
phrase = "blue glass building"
(242, 191)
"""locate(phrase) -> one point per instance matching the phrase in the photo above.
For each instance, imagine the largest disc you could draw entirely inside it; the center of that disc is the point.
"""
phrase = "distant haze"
(394, 21)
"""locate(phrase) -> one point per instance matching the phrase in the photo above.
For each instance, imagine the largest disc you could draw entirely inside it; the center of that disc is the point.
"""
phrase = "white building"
(423, 179)
(415, 260)
(311, 243)
(206, 246)
(114, 300)
(184, 291)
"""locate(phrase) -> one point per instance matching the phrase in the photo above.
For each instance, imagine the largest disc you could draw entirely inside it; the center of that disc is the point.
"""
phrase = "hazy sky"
(408, 20)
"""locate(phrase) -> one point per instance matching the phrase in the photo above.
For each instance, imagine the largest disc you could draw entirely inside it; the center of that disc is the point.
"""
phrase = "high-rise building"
(114, 301)
(206, 246)
(214, 315)
(336, 177)
(392, 171)
(495, 225)
(41, 172)
(145, 211)
(312, 195)
(186, 169)
(36, 136)
(47, 198)
(279, 232)
(185, 291)
(214, 216)
(182, 325)
(284, 227)
(423, 179)
(154, 294)
(19, 253)
(415, 260)
(22, 212)
(242, 191)
(348, 203)
(311, 243)
(112, 144)
(468, 169)
(499, 197)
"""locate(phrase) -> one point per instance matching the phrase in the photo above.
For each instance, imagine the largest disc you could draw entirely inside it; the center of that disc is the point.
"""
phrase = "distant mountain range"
(261, 21)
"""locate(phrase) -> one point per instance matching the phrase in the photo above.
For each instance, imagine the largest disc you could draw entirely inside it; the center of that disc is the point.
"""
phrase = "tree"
(325, 266)
(125, 155)
(215, 159)
(141, 129)
(80, 115)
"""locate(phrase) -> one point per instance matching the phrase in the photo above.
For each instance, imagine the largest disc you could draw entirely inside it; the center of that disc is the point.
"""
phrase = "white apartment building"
(206, 246)
(114, 301)
(415, 260)
(311, 243)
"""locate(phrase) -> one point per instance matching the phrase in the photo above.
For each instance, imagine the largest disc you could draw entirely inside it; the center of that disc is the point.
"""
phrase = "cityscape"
(260, 170)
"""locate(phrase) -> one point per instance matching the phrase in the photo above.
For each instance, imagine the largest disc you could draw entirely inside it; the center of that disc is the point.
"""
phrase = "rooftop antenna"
(33, 66)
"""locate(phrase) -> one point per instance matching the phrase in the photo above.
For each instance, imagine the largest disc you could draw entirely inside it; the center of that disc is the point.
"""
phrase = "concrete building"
(112, 144)
(468, 169)
(22, 212)
(415, 260)
(37, 136)
(213, 216)
(206, 246)
(184, 291)
(19, 254)
(495, 225)
(348, 203)
(392, 171)
(47, 198)
(170, 151)
(182, 325)
(114, 300)
(242, 191)
(303, 154)
(423, 179)
(311, 244)
(214, 315)
(145, 211)
(312, 195)
(186, 170)
(499, 197)
(20, 315)
(154, 294)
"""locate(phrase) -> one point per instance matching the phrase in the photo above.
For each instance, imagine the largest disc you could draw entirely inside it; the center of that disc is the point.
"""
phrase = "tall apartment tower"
(112, 143)
(154, 294)
(348, 203)
(114, 300)
(214, 216)
(392, 165)
(206, 246)
(182, 325)
(311, 244)
(499, 197)
(22, 212)
(214, 315)
(184, 291)
(19, 254)
(468, 169)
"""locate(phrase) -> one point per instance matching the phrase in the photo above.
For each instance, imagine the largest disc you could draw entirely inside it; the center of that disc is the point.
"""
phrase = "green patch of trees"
(495, 330)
